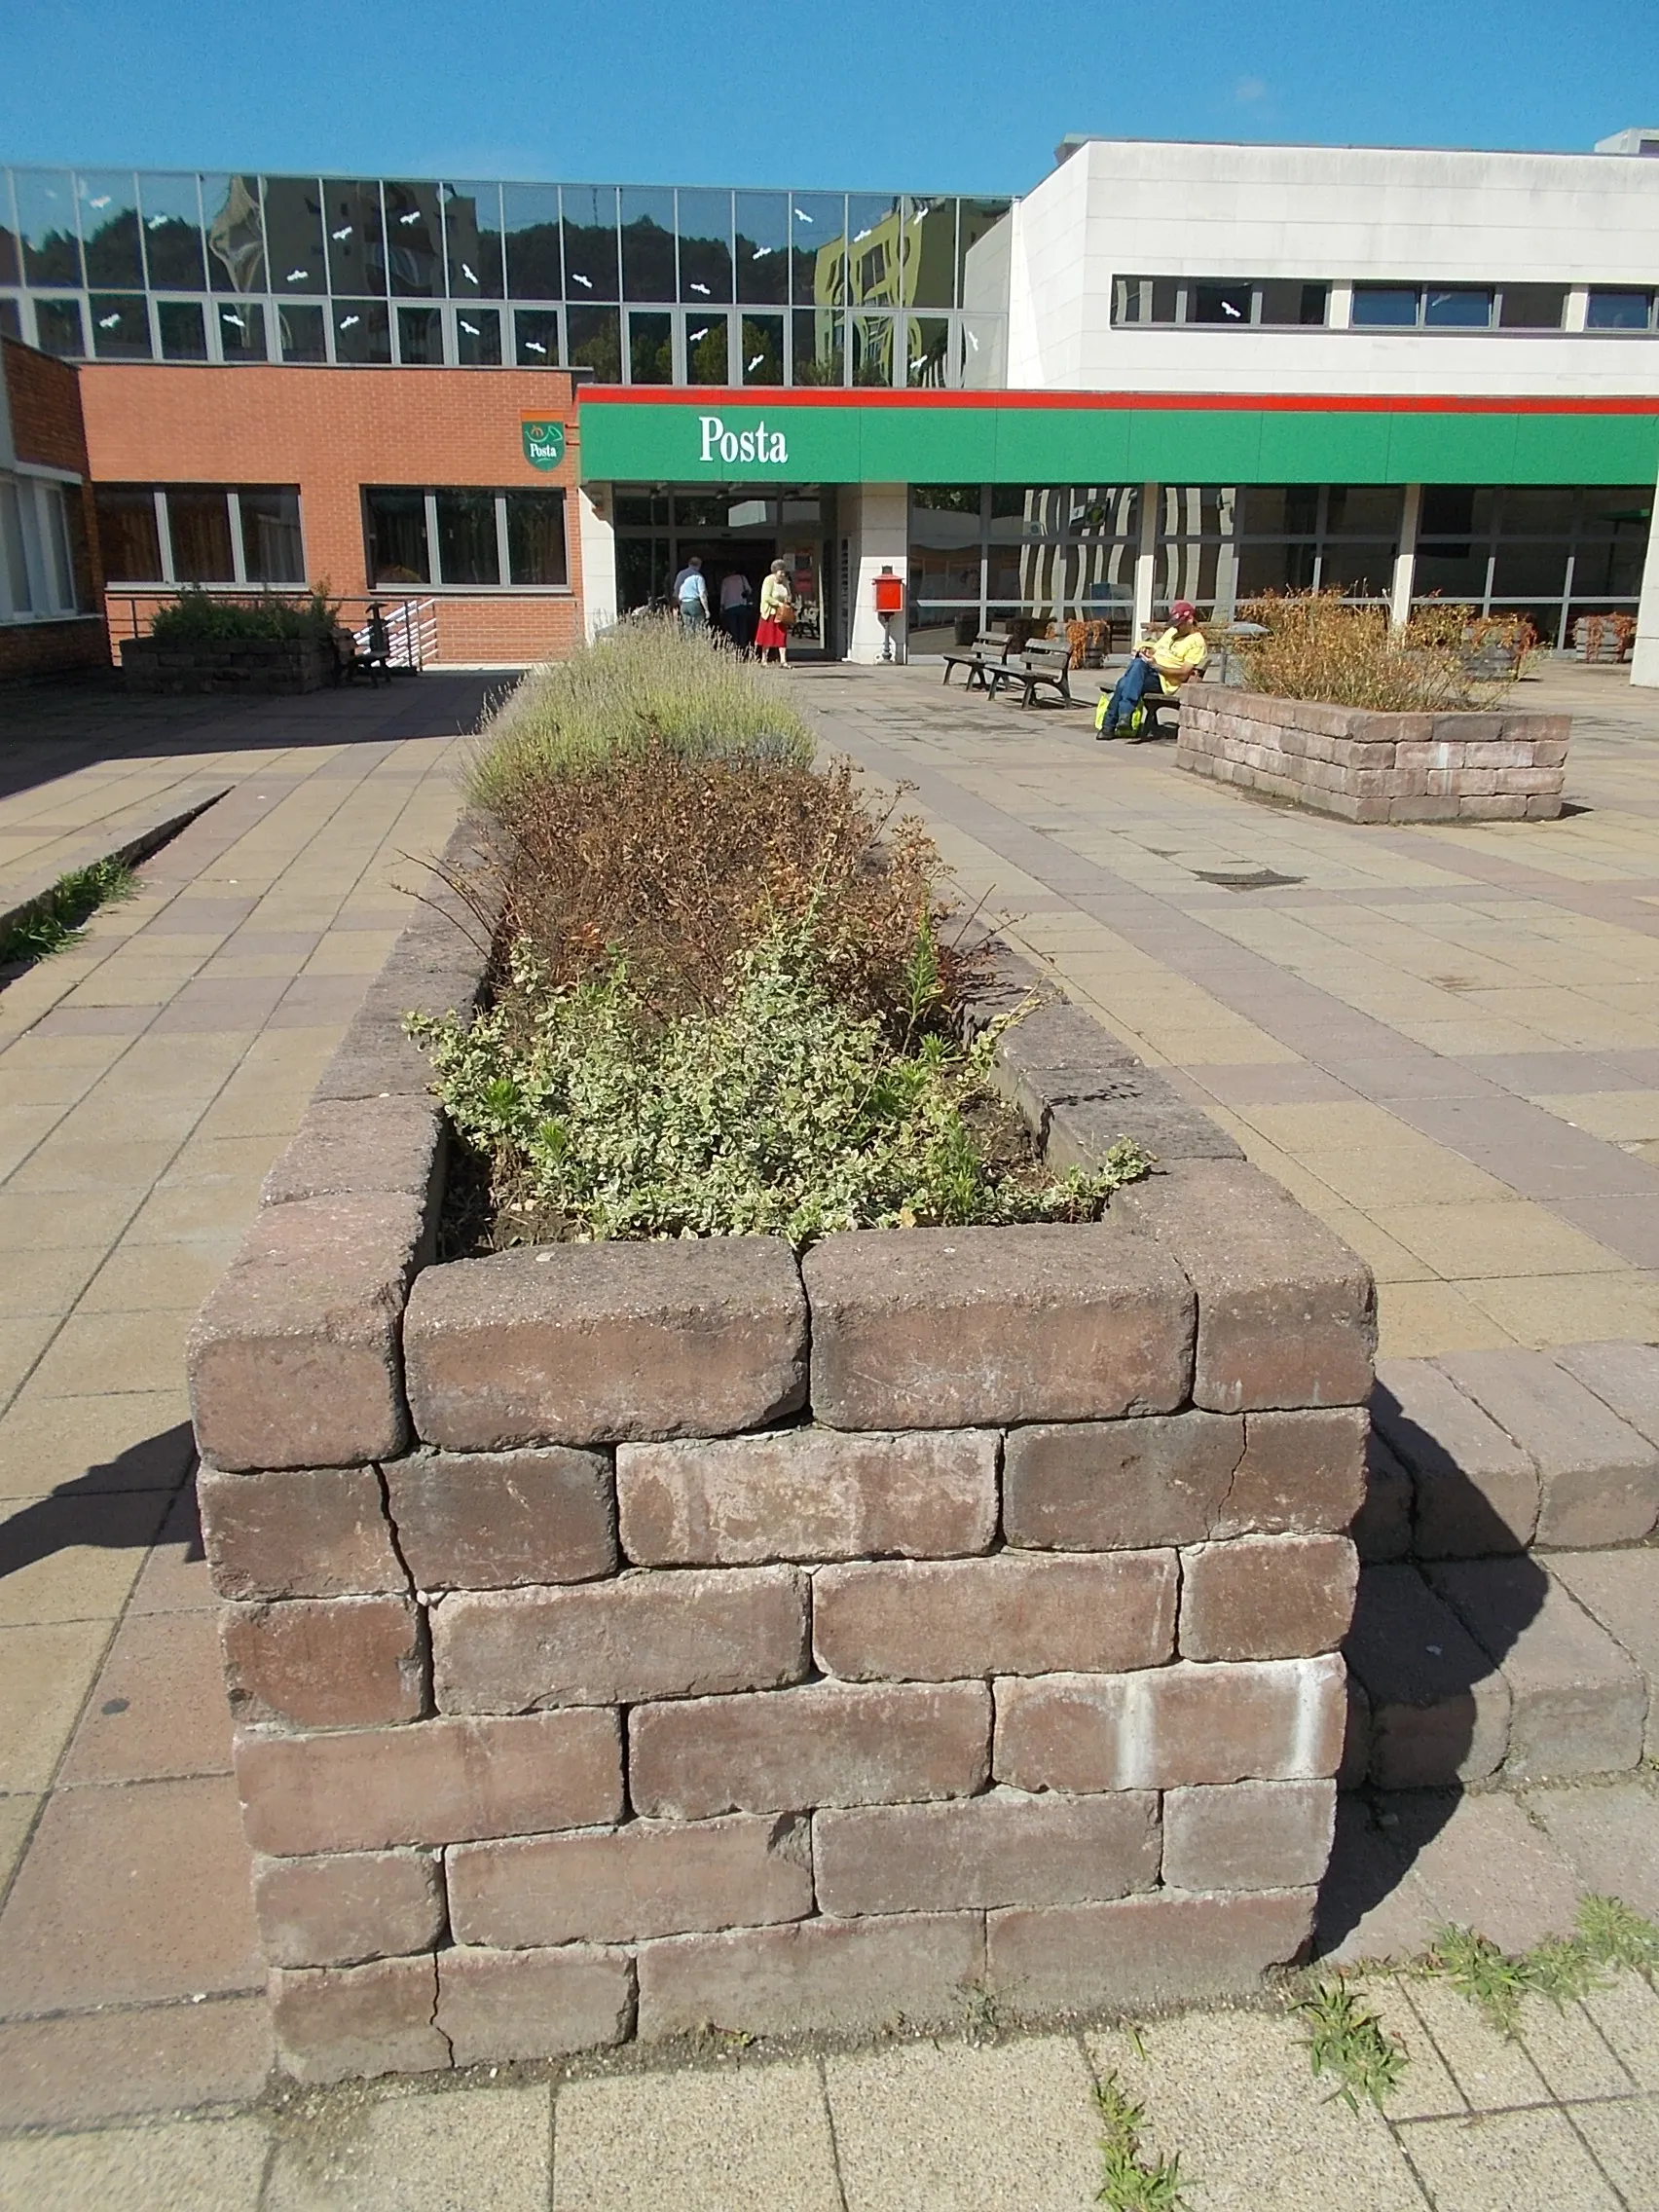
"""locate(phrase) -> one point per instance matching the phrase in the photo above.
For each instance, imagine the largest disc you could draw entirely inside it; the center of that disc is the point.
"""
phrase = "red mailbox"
(889, 595)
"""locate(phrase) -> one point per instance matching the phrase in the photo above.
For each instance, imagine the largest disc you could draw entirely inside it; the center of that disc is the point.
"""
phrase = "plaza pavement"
(1446, 1042)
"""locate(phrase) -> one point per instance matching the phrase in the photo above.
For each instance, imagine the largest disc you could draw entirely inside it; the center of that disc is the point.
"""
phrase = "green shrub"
(197, 617)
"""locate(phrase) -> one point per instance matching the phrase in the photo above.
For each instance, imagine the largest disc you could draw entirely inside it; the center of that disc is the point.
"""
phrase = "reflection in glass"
(590, 242)
(468, 548)
(650, 349)
(293, 231)
(595, 339)
(172, 223)
(1370, 510)
(478, 337)
(1454, 572)
(929, 253)
(704, 246)
(873, 348)
(1103, 573)
(1287, 303)
(1279, 510)
(415, 241)
(985, 352)
(534, 264)
(762, 349)
(1225, 304)
(128, 539)
(818, 249)
(874, 252)
(397, 537)
(1197, 510)
(1104, 510)
(45, 223)
(819, 358)
(241, 330)
(235, 236)
(936, 575)
(976, 220)
(536, 538)
(1384, 305)
(420, 337)
(707, 344)
(1519, 571)
(472, 239)
(271, 551)
(120, 326)
(647, 243)
(1363, 572)
(927, 352)
(642, 571)
(1286, 566)
(11, 319)
(11, 258)
(58, 328)
(1615, 510)
(183, 330)
(1540, 511)
(199, 523)
(357, 240)
(763, 222)
(109, 230)
(1448, 510)
(1457, 310)
(302, 332)
(1612, 568)
(362, 333)
(1606, 310)
(536, 333)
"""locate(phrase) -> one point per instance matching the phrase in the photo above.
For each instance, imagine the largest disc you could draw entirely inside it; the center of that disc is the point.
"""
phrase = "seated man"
(1160, 669)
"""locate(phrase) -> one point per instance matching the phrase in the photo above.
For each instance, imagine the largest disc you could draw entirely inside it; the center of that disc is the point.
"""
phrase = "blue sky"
(882, 93)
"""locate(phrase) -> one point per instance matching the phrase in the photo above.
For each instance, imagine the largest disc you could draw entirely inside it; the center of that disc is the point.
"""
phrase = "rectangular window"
(1219, 303)
(11, 317)
(763, 348)
(1531, 307)
(536, 538)
(58, 328)
(762, 220)
(536, 332)
(241, 330)
(272, 549)
(818, 351)
(1619, 311)
(199, 523)
(46, 224)
(468, 548)
(129, 539)
(873, 348)
(478, 337)
(535, 269)
(120, 326)
(236, 235)
(927, 352)
(15, 586)
(596, 341)
(293, 227)
(109, 231)
(1385, 306)
(357, 236)
(647, 243)
(362, 333)
(1288, 304)
(420, 337)
(183, 328)
(708, 347)
(415, 241)
(467, 540)
(397, 537)
(305, 336)
(1463, 310)
(650, 347)
(472, 239)
(171, 208)
(704, 224)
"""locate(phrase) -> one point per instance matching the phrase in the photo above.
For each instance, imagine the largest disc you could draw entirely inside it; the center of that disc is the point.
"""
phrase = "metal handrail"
(411, 622)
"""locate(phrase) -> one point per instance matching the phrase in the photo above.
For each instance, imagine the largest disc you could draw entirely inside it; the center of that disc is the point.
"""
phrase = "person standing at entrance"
(692, 595)
(777, 614)
(737, 609)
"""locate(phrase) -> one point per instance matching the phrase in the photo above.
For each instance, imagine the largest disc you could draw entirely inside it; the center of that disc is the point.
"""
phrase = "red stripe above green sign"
(1111, 438)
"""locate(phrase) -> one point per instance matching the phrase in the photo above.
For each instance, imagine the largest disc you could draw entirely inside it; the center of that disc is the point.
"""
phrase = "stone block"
(298, 1532)
(351, 1146)
(808, 1493)
(293, 1361)
(1544, 806)
(1263, 1720)
(1624, 1377)
(1530, 780)
(1267, 1597)
(835, 1744)
(598, 1344)
(1302, 1474)
(336, 2022)
(350, 1908)
(1477, 1491)
(650, 1878)
(326, 1662)
(693, 1632)
(1382, 1528)
(1015, 1614)
(1140, 1951)
(1498, 806)
(1356, 1737)
(850, 1978)
(1287, 1314)
(1439, 1706)
(1621, 1589)
(497, 1520)
(1598, 1477)
(496, 2006)
(435, 1781)
(947, 1328)
(1578, 1704)
(1250, 1835)
(1003, 1848)
(1119, 1485)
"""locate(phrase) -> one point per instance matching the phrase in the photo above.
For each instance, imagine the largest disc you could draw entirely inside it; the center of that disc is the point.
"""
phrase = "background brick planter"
(625, 1639)
(284, 665)
(1374, 767)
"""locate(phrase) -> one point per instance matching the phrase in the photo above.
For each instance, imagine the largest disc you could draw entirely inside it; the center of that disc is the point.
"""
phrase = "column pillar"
(1644, 654)
(597, 537)
(1146, 561)
(1405, 561)
(877, 518)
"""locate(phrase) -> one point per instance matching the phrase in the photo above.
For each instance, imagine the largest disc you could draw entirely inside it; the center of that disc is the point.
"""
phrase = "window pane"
(1448, 510)
(1451, 573)
(478, 337)
(472, 239)
(1615, 511)
(172, 234)
(650, 349)
(1286, 304)
(762, 349)
(293, 231)
(1533, 306)
(467, 551)
(985, 352)
(270, 535)
(46, 224)
(1219, 303)
(1131, 299)
(1612, 568)
(128, 539)
(642, 570)
(874, 251)
(873, 348)
(707, 349)
(11, 257)
(1281, 511)
(1363, 572)
(58, 326)
(1543, 511)
(590, 242)
(944, 575)
(594, 339)
(976, 219)
(929, 253)
(1364, 511)
(535, 269)
(764, 249)
(944, 515)
(302, 333)
(1197, 510)
(357, 240)
(641, 508)
(536, 538)
(1286, 567)
(420, 336)
(14, 557)
(1103, 573)
(184, 330)
(1460, 311)
(236, 235)
(1619, 311)
(397, 537)
(362, 332)
(1030, 510)
(200, 525)
(704, 246)
(537, 336)
(109, 230)
(1165, 299)
(241, 330)
(818, 346)
(927, 352)
(1380, 304)
(818, 251)
(647, 244)
(57, 545)
(1521, 570)
(415, 241)
(120, 326)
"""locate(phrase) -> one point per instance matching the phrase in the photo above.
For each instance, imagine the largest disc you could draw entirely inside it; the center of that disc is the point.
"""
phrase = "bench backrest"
(1047, 654)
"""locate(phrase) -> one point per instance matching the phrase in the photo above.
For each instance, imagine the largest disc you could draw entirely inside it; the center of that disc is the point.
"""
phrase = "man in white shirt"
(692, 595)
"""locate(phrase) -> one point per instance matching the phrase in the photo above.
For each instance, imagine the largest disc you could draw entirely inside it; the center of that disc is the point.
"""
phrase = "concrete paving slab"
(1599, 1476)
(1621, 1589)
(1484, 1864)
(94, 2066)
(1570, 2052)
(1427, 2089)
(158, 1708)
(216, 2166)
(420, 2154)
(46, 1671)
(73, 1559)
(748, 2139)
(1627, 2013)
(1624, 2140)
(119, 1441)
(1609, 1834)
(1491, 2072)
(16, 1818)
(1528, 2162)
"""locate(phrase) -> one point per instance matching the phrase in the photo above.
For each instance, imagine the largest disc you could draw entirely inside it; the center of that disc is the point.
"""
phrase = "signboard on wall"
(543, 441)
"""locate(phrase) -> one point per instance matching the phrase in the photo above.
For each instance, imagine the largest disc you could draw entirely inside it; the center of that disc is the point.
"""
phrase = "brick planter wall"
(1375, 768)
(629, 1637)
(282, 665)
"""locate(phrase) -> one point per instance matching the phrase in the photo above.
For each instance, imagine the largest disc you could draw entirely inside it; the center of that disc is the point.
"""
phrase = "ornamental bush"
(197, 617)
(1320, 646)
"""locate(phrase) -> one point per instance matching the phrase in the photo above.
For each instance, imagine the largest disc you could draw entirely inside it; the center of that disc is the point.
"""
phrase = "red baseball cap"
(1183, 611)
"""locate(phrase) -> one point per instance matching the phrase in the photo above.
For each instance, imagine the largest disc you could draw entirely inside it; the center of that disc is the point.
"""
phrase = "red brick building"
(51, 614)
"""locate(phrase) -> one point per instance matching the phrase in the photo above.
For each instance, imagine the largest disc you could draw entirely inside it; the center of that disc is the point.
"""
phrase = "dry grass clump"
(1320, 646)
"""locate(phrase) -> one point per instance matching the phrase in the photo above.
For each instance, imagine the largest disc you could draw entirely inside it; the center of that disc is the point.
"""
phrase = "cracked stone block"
(1477, 1491)
(1621, 1589)
(1439, 1708)
(1598, 1476)
(1382, 1528)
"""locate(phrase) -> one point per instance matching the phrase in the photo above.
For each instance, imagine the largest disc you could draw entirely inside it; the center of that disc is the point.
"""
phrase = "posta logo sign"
(543, 442)
(766, 449)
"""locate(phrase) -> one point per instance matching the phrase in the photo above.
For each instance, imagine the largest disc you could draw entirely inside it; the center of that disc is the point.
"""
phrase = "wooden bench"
(988, 653)
(1044, 662)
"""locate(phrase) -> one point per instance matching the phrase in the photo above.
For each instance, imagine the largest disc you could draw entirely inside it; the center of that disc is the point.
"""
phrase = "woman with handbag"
(777, 614)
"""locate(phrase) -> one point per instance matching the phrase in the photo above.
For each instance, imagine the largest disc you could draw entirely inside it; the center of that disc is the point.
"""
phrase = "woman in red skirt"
(777, 614)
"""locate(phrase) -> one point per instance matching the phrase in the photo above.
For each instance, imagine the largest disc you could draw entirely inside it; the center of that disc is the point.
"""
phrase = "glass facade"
(1550, 552)
(998, 553)
(639, 285)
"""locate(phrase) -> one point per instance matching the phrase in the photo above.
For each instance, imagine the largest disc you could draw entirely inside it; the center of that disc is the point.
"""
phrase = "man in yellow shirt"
(1160, 669)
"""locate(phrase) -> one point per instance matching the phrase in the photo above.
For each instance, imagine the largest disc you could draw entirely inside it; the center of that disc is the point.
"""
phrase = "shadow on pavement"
(117, 1505)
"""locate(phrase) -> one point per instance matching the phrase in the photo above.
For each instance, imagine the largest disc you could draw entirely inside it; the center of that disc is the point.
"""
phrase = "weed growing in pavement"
(1617, 1936)
(1348, 2041)
(1129, 2182)
(53, 921)
(1609, 1936)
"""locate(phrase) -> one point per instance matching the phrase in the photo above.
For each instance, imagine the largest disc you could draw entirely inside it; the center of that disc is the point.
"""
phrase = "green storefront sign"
(889, 440)
(543, 442)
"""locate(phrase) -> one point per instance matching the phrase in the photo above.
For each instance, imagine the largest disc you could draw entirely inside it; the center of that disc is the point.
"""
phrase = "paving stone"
(1621, 1589)
(85, 2067)
(754, 2139)
(422, 2154)
(1623, 1376)
(1624, 2140)
(494, 1519)
(1627, 2012)
(1570, 2052)
(1476, 1490)
(1491, 2071)
(48, 1671)
(1425, 2089)
(73, 1559)
(1372, 1905)
(932, 2127)
(1119, 1485)
(1522, 2162)
(158, 1707)
(1611, 1833)
(1439, 1707)
(501, 2005)
(1484, 1864)
(1577, 1704)
(1599, 1478)
(208, 2163)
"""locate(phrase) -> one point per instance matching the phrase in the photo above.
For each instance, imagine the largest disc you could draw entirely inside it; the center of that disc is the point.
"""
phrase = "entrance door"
(738, 530)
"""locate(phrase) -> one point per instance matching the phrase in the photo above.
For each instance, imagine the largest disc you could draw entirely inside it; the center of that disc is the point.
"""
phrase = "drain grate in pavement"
(1259, 879)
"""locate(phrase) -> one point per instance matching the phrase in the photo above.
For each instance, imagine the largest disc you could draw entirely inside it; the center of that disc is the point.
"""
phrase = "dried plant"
(1320, 646)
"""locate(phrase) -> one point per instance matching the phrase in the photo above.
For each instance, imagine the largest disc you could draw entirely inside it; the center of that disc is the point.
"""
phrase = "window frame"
(239, 580)
(433, 582)
(45, 544)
